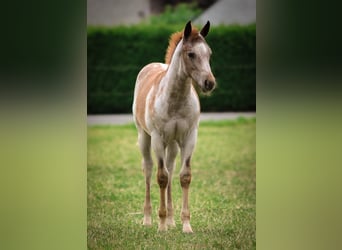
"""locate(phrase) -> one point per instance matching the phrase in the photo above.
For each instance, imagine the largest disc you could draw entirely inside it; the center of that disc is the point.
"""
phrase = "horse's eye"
(191, 55)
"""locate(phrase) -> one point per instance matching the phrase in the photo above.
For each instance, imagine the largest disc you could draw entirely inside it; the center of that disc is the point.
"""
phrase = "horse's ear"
(205, 30)
(187, 30)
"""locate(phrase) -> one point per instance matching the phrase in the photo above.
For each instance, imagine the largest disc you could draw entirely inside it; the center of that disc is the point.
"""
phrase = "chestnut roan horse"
(166, 112)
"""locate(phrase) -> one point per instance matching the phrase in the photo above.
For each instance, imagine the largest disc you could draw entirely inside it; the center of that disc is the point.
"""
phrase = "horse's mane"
(175, 38)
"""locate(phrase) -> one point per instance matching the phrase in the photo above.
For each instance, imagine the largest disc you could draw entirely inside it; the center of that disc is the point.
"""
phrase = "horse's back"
(148, 80)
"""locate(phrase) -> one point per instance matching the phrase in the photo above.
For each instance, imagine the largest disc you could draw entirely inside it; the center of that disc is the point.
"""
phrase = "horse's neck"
(177, 82)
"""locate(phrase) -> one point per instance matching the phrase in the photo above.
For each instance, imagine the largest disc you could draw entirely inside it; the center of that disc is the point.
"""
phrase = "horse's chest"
(175, 129)
(172, 118)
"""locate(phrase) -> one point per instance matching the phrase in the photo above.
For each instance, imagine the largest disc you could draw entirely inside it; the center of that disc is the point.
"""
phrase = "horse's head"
(196, 55)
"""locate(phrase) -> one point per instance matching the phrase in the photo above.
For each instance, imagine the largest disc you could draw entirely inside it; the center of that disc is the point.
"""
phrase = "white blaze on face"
(203, 52)
(203, 70)
(202, 49)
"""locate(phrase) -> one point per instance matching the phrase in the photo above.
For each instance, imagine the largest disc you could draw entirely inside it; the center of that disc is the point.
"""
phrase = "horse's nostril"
(208, 85)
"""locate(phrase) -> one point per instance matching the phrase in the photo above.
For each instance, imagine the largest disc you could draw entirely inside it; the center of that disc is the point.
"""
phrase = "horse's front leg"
(171, 153)
(185, 178)
(162, 178)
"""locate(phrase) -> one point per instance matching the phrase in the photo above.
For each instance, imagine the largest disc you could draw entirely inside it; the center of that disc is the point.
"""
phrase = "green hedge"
(116, 55)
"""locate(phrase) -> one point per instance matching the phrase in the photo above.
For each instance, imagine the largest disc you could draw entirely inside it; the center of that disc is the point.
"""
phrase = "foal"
(166, 112)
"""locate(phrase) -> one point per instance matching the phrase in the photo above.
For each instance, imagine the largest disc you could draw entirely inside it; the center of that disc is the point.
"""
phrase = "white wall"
(229, 12)
(116, 12)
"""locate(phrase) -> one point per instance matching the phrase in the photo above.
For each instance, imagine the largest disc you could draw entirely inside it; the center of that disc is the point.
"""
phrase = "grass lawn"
(222, 192)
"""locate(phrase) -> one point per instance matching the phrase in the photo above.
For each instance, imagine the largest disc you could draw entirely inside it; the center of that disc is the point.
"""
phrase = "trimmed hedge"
(116, 55)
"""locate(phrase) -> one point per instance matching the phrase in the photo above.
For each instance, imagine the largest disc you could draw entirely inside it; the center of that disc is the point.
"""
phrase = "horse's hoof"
(171, 222)
(187, 228)
(147, 222)
(162, 228)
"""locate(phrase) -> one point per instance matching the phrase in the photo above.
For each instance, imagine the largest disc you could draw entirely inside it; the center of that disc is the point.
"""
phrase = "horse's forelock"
(175, 38)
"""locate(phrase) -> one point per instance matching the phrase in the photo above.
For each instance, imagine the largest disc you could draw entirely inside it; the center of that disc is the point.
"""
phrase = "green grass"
(222, 191)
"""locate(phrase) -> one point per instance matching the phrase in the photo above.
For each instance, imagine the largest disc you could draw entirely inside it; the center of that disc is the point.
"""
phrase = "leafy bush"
(116, 55)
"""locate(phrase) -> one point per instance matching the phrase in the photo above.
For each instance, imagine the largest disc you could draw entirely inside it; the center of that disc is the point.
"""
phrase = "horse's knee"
(162, 175)
(162, 213)
(162, 179)
(185, 179)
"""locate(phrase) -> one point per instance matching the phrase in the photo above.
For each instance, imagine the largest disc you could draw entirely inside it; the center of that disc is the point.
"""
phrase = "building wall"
(229, 12)
(116, 12)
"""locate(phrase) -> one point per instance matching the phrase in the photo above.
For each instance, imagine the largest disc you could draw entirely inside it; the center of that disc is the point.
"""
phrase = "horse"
(166, 111)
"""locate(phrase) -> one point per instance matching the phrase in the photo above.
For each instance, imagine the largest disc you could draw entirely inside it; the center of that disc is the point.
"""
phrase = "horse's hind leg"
(145, 147)
(171, 153)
